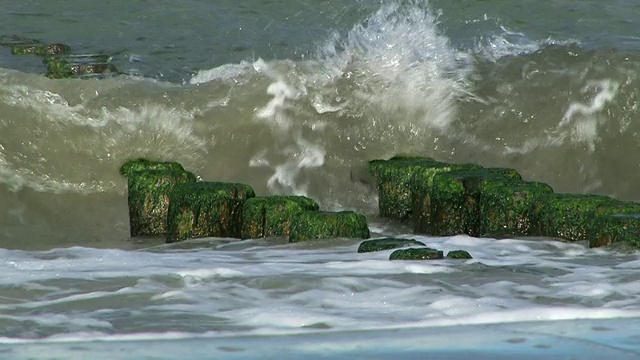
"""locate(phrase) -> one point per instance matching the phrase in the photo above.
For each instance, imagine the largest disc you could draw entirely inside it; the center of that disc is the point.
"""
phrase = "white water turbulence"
(219, 288)
(387, 86)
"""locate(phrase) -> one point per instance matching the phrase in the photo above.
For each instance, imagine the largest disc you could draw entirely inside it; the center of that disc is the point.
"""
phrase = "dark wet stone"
(386, 244)
(416, 254)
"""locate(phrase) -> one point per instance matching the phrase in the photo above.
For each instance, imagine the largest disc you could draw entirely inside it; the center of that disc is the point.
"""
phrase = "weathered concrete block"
(272, 215)
(400, 178)
(321, 225)
(394, 179)
(616, 223)
(450, 206)
(386, 244)
(149, 199)
(570, 216)
(509, 208)
(203, 209)
(416, 254)
(132, 166)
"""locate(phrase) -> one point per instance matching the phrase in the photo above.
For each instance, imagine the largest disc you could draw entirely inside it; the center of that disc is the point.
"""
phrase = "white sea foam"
(264, 289)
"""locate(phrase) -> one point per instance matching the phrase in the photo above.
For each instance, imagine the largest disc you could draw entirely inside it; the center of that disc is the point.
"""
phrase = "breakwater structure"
(443, 199)
(165, 199)
(438, 198)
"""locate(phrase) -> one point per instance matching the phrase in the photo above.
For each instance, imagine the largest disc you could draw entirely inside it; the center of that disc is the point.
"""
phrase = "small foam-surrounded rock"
(386, 244)
(416, 254)
(459, 254)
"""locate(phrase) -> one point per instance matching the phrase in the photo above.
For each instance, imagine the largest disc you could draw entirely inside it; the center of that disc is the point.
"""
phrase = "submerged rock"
(386, 244)
(458, 254)
(272, 215)
(416, 254)
(149, 199)
(79, 66)
(40, 49)
(16, 40)
(203, 209)
(321, 225)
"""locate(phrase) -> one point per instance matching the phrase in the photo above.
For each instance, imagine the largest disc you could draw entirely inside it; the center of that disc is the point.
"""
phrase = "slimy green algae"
(386, 244)
(450, 205)
(271, 215)
(40, 49)
(133, 166)
(79, 66)
(459, 255)
(321, 225)
(616, 223)
(416, 254)
(509, 208)
(570, 216)
(149, 199)
(203, 209)
(402, 180)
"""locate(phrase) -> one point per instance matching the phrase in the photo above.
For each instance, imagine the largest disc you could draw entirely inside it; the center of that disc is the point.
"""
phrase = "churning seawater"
(294, 98)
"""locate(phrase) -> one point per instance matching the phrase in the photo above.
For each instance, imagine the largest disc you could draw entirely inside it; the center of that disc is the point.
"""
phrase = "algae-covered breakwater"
(165, 199)
(444, 199)
(440, 199)
(58, 59)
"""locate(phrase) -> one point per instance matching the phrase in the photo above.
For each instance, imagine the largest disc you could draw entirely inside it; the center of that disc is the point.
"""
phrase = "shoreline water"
(291, 98)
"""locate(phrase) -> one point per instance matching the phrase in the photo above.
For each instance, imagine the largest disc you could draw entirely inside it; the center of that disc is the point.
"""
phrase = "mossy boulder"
(459, 255)
(149, 199)
(450, 204)
(616, 223)
(386, 244)
(40, 49)
(203, 209)
(416, 254)
(322, 224)
(398, 178)
(133, 166)
(570, 216)
(79, 66)
(272, 215)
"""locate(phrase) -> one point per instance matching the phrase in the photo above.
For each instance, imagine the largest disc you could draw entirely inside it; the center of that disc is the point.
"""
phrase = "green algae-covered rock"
(450, 206)
(79, 66)
(272, 215)
(149, 199)
(322, 224)
(616, 223)
(394, 178)
(458, 254)
(416, 254)
(40, 49)
(386, 244)
(203, 209)
(398, 178)
(15, 40)
(509, 208)
(570, 216)
(133, 166)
